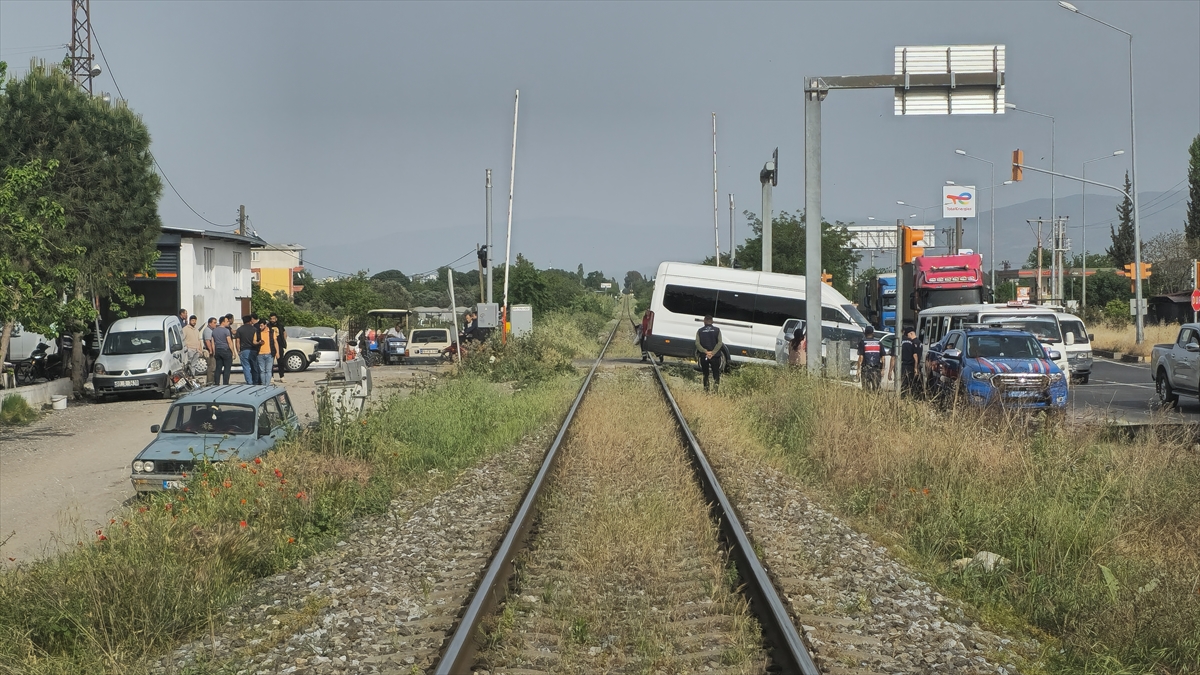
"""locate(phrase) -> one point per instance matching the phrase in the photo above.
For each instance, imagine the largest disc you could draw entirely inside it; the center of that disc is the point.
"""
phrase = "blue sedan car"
(217, 424)
(1004, 366)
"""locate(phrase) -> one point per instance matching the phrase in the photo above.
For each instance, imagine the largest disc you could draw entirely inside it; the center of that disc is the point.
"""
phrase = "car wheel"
(295, 362)
(1166, 394)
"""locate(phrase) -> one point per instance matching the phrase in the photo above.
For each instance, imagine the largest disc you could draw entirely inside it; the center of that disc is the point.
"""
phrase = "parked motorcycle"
(46, 366)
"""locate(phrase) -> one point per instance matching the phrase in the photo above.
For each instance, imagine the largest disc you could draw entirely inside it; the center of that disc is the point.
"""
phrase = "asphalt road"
(1124, 392)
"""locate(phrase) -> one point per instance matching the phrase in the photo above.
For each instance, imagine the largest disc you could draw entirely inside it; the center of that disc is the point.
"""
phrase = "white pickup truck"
(1175, 367)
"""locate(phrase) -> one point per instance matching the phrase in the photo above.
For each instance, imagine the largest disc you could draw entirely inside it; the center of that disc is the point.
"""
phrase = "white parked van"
(749, 307)
(140, 353)
(1042, 322)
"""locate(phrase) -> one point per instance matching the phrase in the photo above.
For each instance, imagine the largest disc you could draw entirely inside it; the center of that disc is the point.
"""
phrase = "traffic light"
(911, 243)
(1145, 270)
(1129, 270)
(1018, 162)
(826, 278)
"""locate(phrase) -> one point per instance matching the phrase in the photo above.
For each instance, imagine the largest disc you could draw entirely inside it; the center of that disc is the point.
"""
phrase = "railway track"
(710, 630)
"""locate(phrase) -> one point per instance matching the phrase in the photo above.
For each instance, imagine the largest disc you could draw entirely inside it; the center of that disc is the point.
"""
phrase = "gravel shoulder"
(386, 596)
(861, 610)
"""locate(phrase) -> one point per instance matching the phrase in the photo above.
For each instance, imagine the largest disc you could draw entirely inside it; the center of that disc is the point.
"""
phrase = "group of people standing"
(259, 344)
(871, 353)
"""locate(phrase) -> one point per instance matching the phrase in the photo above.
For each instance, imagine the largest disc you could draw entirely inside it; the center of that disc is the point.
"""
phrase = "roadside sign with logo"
(1023, 293)
(958, 201)
(1196, 300)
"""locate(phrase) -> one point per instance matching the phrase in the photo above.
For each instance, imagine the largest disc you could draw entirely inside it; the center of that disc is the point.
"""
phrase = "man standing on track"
(870, 359)
(708, 351)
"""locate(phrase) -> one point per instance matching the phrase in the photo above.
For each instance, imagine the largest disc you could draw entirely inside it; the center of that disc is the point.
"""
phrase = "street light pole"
(1137, 228)
(1085, 253)
(992, 210)
(1057, 277)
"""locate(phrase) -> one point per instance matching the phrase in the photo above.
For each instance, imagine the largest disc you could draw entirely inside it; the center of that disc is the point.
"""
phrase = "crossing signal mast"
(83, 65)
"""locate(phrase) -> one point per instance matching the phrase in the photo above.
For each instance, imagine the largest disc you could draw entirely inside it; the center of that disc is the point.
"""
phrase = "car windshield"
(1043, 327)
(209, 418)
(423, 336)
(1075, 328)
(1003, 347)
(856, 316)
(135, 342)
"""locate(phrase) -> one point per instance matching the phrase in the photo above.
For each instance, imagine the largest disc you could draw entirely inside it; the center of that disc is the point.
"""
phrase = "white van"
(1078, 345)
(749, 307)
(141, 353)
(935, 322)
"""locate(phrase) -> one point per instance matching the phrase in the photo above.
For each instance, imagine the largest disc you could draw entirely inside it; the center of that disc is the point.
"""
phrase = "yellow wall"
(273, 280)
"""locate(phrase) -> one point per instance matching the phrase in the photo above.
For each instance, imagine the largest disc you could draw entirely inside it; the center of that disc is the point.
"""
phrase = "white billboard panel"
(958, 201)
(959, 59)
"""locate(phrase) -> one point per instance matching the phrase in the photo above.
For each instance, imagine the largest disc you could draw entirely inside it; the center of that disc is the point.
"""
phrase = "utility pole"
(958, 235)
(769, 177)
(488, 240)
(716, 231)
(83, 68)
(242, 220)
(1038, 286)
(731, 246)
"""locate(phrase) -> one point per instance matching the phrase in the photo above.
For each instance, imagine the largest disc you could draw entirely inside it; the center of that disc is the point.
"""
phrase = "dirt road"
(62, 476)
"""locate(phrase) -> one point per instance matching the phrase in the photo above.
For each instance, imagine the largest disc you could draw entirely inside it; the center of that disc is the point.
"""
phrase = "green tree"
(105, 183)
(838, 258)
(526, 286)
(392, 275)
(1191, 226)
(30, 282)
(392, 294)
(1121, 251)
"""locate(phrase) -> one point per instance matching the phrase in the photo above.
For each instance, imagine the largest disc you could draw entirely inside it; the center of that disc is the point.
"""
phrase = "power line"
(154, 159)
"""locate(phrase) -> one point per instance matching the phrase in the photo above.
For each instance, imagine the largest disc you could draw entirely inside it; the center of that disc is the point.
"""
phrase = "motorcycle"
(45, 366)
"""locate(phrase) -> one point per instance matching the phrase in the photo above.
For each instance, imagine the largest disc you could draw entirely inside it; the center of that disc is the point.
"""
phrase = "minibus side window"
(735, 306)
(689, 300)
(773, 310)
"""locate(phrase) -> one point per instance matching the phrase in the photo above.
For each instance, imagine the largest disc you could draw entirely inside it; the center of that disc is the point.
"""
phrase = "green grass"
(168, 566)
(1102, 533)
(15, 411)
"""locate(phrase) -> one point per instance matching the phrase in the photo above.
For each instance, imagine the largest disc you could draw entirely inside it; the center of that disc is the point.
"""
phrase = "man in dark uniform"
(870, 359)
(910, 352)
(708, 351)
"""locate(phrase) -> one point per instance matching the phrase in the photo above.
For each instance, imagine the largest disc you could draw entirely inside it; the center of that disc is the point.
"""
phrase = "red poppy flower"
(228, 483)
(258, 460)
(278, 473)
(242, 524)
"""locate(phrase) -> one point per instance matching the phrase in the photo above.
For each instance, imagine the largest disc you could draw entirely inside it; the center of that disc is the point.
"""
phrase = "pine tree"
(1191, 226)
(1121, 251)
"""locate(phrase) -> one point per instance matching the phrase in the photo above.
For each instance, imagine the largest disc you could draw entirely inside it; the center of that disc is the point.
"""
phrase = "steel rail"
(464, 645)
(787, 649)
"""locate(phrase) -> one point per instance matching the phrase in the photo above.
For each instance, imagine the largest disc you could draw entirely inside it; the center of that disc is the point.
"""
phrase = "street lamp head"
(950, 182)
(95, 70)
(960, 152)
(1007, 182)
(1068, 6)
(912, 215)
(1010, 106)
(1118, 152)
(900, 203)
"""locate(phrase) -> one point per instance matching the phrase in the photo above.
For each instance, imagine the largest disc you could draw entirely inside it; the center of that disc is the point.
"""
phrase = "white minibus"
(749, 307)
(1042, 322)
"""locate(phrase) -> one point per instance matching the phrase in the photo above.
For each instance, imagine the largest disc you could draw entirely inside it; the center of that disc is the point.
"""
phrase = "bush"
(1116, 313)
(15, 411)
(557, 339)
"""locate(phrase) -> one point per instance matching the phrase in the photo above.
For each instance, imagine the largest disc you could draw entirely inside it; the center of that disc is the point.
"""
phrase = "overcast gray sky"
(362, 130)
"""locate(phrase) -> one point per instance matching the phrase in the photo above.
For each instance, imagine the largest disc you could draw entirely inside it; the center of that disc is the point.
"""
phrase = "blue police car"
(992, 365)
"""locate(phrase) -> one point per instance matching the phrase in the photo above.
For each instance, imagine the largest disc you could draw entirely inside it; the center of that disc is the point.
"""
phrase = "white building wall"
(226, 292)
